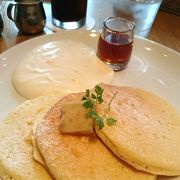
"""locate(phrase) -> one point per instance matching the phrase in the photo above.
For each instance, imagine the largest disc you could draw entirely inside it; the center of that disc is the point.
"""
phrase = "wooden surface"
(165, 29)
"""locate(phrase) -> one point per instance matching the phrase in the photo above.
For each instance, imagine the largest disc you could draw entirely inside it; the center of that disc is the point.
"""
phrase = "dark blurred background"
(171, 6)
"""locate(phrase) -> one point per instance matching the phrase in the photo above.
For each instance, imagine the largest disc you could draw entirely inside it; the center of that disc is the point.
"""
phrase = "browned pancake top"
(79, 157)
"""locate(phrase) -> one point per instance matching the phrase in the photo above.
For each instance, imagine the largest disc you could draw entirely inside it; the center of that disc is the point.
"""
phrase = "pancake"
(79, 157)
(16, 160)
(147, 132)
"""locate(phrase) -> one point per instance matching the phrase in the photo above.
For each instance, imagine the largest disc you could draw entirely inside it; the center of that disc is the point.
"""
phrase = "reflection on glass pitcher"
(29, 16)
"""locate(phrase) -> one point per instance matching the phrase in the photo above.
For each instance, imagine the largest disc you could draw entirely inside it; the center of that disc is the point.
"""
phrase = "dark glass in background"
(69, 14)
(1, 25)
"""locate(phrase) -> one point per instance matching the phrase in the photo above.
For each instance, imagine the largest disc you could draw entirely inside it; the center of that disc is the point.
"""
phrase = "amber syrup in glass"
(115, 50)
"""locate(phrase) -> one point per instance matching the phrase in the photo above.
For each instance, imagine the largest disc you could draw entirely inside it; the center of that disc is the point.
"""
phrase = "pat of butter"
(74, 119)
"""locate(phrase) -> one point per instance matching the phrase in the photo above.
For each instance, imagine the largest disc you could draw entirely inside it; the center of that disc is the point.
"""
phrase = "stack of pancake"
(144, 143)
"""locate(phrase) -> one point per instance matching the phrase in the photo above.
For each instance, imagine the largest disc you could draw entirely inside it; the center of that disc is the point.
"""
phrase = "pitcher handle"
(9, 11)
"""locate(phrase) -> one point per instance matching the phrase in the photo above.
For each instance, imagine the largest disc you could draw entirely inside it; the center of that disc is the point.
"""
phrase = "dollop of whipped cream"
(60, 67)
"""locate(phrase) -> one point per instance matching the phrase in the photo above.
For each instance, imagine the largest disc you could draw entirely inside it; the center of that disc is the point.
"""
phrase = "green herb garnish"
(90, 99)
(109, 104)
(98, 119)
(111, 121)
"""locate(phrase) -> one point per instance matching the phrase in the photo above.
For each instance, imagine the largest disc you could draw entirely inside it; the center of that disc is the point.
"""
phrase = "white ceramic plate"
(153, 67)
